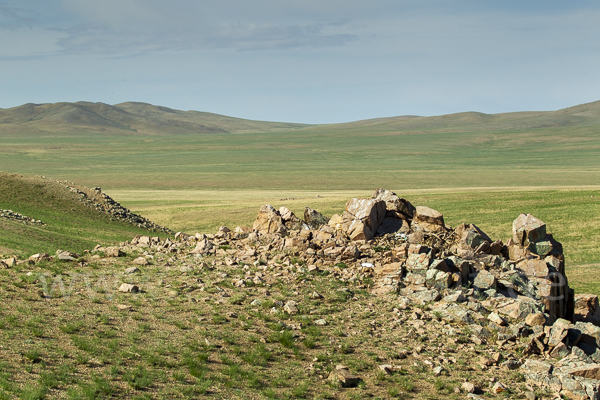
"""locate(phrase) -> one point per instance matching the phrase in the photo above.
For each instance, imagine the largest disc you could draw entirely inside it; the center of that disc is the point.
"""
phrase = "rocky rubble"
(512, 296)
(99, 200)
(15, 216)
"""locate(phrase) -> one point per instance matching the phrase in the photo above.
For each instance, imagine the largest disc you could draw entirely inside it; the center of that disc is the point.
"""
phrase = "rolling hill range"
(141, 118)
(124, 118)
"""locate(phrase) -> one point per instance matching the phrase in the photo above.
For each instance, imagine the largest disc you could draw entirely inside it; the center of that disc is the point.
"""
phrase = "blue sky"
(303, 61)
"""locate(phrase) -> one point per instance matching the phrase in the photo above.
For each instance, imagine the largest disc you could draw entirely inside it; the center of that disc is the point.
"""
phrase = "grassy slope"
(70, 224)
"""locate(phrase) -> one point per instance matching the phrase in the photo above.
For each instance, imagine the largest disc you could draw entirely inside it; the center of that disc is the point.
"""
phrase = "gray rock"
(425, 296)
(484, 280)
(131, 270)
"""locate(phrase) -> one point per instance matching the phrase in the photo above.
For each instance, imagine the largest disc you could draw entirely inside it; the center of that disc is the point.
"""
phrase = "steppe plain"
(194, 172)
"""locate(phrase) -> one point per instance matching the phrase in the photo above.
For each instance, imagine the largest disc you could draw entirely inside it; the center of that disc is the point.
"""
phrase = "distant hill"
(146, 119)
(581, 115)
(130, 117)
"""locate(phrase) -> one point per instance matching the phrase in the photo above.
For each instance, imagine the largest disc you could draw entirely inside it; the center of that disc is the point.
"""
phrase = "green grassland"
(313, 159)
(460, 150)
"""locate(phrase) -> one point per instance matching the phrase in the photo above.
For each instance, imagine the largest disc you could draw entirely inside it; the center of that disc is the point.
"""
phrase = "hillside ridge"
(41, 214)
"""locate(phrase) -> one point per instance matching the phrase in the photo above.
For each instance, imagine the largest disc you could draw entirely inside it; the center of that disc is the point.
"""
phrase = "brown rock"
(429, 219)
(418, 263)
(471, 235)
(587, 308)
(528, 229)
(394, 203)
(10, 262)
(355, 227)
(484, 280)
(113, 251)
(128, 288)
(268, 220)
(535, 319)
(314, 219)
(590, 371)
(140, 261)
(202, 247)
(37, 258)
(536, 268)
(498, 320)
(468, 387)
(343, 376)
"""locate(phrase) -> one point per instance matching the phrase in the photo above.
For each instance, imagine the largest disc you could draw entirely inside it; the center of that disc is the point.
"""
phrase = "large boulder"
(269, 220)
(550, 285)
(314, 219)
(360, 220)
(471, 236)
(290, 220)
(395, 203)
(528, 229)
(542, 262)
(428, 220)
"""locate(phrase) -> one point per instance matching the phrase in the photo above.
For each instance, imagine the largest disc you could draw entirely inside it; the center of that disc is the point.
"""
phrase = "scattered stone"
(386, 369)
(587, 308)
(428, 220)
(511, 364)
(113, 251)
(498, 320)
(468, 387)
(484, 280)
(590, 371)
(291, 307)
(499, 388)
(342, 376)
(37, 258)
(67, 256)
(131, 270)
(141, 261)
(128, 288)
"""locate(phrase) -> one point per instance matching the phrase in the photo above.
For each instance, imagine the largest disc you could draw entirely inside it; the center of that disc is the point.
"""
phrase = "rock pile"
(15, 216)
(99, 200)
